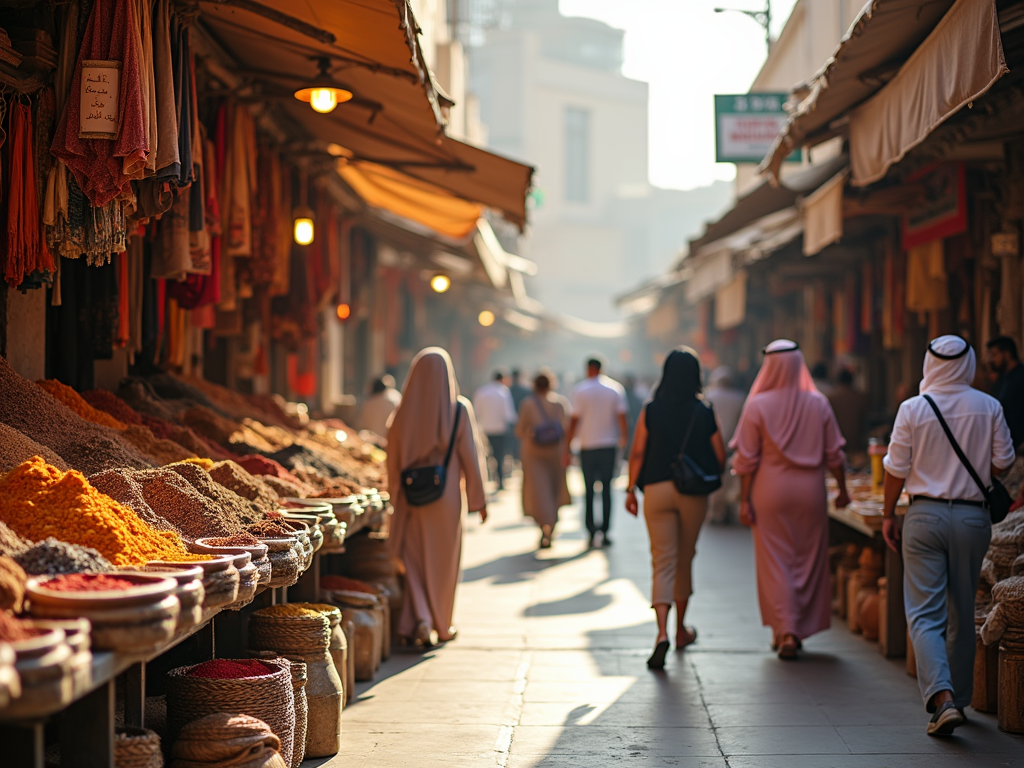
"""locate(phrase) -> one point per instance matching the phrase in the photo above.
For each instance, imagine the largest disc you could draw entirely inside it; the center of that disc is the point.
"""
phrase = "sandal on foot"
(425, 635)
(947, 718)
(682, 641)
(789, 650)
(657, 660)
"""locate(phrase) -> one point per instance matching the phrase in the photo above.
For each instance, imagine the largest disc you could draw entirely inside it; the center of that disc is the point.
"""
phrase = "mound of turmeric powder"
(38, 500)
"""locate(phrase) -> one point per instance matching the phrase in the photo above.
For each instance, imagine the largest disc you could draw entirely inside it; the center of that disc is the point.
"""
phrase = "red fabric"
(26, 246)
(104, 168)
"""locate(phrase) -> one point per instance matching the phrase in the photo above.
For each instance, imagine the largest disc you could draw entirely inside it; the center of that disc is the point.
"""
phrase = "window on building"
(577, 154)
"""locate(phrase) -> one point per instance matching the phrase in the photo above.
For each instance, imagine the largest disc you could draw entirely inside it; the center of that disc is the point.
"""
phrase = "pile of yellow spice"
(37, 500)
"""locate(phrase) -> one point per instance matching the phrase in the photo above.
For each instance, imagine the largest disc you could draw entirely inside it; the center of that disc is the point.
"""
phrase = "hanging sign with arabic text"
(101, 81)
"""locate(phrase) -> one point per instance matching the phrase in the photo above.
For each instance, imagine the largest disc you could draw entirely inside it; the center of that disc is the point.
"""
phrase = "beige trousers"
(673, 523)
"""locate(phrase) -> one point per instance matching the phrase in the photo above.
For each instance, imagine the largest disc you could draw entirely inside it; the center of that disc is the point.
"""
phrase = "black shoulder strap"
(689, 429)
(455, 431)
(956, 447)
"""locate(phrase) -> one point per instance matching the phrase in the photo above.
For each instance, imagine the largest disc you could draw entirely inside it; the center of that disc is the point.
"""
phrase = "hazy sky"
(687, 53)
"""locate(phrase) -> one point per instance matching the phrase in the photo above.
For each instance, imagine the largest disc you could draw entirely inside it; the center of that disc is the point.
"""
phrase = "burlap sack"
(227, 741)
(1007, 609)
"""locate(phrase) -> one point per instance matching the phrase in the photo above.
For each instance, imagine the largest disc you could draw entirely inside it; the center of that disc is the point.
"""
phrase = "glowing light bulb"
(303, 230)
(323, 100)
(344, 311)
(486, 318)
(440, 283)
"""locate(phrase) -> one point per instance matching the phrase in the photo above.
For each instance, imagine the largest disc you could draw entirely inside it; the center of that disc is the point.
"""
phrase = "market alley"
(548, 670)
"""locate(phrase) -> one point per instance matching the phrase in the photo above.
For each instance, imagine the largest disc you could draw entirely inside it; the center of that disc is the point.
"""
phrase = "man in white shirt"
(378, 407)
(947, 529)
(599, 421)
(496, 413)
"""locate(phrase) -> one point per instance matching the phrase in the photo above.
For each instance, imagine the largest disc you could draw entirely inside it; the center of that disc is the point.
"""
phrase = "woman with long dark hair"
(676, 421)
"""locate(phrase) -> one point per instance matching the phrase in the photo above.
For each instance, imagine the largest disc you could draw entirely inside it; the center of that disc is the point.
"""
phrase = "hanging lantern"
(303, 225)
(324, 95)
(440, 283)
(486, 318)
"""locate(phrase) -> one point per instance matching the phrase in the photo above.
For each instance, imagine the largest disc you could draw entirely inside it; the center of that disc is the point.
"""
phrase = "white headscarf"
(949, 366)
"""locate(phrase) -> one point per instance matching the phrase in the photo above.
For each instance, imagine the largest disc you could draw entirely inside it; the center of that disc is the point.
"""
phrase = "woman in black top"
(673, 519)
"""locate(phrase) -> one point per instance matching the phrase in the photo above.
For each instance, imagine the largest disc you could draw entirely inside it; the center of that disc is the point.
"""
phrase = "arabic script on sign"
(101, 82)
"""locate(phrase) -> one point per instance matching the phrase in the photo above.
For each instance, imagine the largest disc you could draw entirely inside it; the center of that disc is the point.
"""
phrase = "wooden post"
(87, 729)
(24, 745)
(135, 695)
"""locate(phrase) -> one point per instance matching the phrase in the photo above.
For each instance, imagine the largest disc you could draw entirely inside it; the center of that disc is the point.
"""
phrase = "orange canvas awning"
(394, 120)
(390, 190)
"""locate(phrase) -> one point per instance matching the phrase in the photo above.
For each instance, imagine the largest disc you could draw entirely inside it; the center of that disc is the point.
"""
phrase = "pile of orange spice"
(37, 500)
(77, 403)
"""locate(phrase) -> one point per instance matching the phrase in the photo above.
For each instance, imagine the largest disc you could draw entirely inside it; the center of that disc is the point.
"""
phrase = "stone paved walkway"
(549, 672)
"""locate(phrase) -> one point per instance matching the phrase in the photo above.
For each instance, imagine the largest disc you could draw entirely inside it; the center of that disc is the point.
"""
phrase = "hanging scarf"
(26, 247)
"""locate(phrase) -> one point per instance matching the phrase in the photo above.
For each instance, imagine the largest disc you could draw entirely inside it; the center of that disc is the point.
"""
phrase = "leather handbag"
(688, 476)
(549, 431)
(997, 498)
(425, 485)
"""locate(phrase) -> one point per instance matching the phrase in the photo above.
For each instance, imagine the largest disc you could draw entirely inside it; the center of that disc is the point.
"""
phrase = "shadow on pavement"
(512, 569)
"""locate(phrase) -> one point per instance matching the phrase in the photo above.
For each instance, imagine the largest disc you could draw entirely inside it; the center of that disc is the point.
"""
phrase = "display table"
(847, 526)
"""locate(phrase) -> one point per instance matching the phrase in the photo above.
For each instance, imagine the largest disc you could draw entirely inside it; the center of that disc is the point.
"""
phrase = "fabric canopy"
(731, 303)
(958, 62)
(394, 120)
(390, 190)
(823, 215)
(884, 34)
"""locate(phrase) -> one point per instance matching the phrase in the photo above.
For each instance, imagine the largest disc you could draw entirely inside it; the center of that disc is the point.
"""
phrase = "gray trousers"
(943, 547)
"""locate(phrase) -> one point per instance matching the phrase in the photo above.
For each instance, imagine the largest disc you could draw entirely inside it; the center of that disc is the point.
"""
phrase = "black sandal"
(657, 660)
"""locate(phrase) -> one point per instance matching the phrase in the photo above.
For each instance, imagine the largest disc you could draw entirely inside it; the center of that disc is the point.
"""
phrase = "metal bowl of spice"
(215, 564)
(97, 590)
(226, 544)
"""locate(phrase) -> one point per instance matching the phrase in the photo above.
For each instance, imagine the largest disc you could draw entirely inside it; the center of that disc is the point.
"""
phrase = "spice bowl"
(248, 574)
(10, 683)
(43, 666)
(204, 546)
(284, 560)
(190, 592)
(78, 635)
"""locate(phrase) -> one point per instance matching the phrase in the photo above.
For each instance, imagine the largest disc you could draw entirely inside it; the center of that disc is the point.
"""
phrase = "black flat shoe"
(657, 660)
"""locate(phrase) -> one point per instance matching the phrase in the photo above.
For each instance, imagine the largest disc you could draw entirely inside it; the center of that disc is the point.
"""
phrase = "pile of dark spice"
(89, 582)
(172, 499)
(16, 448)
(172, 388)
(266, 529)
(10, 542)
(237, 540)
(112, 404)
(52, 557)
(123, 486)
(83, 445)
(285, 488)
(306, 463)
(229, 504)
(139, 395)
(234, 478)
(229, 434)
(164, 451)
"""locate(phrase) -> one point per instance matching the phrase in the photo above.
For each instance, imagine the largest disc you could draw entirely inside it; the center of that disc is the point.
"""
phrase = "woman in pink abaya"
(427, 540)
(786, 438)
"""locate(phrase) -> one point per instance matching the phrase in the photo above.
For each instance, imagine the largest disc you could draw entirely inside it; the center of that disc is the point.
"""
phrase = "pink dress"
(789, 503)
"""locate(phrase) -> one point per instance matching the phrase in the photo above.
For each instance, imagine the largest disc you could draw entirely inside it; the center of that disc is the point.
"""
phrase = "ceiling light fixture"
(325, 94)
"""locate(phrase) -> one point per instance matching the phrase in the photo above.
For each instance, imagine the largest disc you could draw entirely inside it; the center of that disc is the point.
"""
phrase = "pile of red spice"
(89, 582)
(236, 540)
(13, 630)
(231, 669)
(261, 465)
(351, 585)
(112, 404)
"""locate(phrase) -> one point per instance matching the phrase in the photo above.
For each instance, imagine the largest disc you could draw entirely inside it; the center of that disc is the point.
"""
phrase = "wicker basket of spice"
(137, 748)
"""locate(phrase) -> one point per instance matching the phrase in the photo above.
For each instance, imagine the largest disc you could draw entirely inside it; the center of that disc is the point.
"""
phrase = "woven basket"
(137, 748)
(291, 635)
(269, 698)
(220, 741)
(301, 712)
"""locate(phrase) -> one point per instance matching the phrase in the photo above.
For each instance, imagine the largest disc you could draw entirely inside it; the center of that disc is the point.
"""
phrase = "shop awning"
(823, 214)
(883, 36)
(394, 120)
(959, 61)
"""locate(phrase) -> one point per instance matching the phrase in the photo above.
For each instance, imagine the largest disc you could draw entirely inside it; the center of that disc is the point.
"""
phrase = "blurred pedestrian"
(543, 421)
(379, 406)
(819, 374)
(519, 393)
(947, 528)
(850, 407)
(727, 400)
(432, 423)
(1004, 362)
(786, 438)
(634, 403)
(496, 414)
(599, 421)
(678, 420)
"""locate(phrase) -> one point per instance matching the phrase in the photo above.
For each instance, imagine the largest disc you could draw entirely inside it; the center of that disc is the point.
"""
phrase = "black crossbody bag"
(997, 498)
(425, 485)
(688, 476)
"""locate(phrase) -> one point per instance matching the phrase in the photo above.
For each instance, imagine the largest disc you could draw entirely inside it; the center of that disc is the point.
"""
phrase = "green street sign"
(746, 125)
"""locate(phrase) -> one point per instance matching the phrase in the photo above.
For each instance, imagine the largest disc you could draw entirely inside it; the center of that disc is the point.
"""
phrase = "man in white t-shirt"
(599, 421)
(496, 413)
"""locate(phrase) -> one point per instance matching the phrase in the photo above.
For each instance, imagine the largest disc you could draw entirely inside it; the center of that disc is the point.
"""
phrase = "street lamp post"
(763, 18)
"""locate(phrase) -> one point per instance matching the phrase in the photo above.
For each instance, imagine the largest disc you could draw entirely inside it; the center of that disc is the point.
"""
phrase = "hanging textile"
(238, 183)
(927, 288)
(134, 257)
(172, 258)
(26, 247)
(163, 79)
(185, 97)
(102, 167)
(281, 185)
(123, 306)
(144, 27)
(262, 265)
(95, 233)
